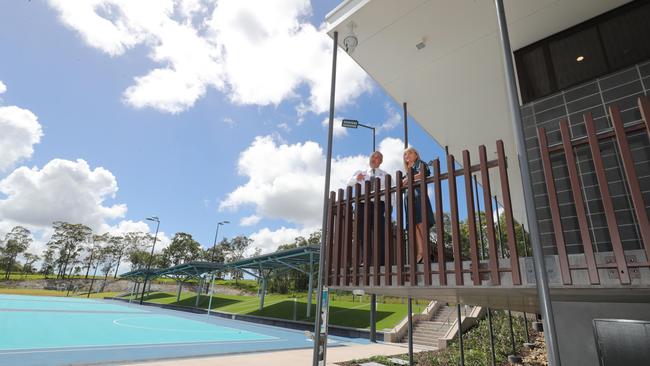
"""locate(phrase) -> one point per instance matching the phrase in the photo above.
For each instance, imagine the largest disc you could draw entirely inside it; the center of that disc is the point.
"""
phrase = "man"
(361, 176)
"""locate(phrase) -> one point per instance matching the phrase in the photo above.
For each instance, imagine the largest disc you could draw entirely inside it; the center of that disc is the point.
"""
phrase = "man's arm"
(355, 178)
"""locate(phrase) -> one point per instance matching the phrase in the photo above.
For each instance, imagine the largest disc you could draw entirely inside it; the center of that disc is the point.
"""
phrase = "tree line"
(75, 250)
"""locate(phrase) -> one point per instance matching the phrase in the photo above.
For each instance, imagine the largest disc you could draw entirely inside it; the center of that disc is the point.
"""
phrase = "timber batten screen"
(349, 212)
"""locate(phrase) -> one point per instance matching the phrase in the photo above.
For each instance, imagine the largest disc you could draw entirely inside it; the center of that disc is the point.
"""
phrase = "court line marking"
(11, 310)
(125, 346)
(223, 330)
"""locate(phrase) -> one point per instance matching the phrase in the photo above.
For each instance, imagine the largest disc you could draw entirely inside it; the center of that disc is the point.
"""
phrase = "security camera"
(350, 42)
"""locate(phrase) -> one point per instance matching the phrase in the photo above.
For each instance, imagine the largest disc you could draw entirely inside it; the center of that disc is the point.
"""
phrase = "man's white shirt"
(369, 174)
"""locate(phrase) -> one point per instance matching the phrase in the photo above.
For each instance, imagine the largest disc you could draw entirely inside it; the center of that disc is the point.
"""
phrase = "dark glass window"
(626, 38)
(577, 57)
(533, 74)
(599, 46)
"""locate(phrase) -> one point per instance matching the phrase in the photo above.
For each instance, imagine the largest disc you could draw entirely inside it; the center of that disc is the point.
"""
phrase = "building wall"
(575, 330)
(623, 89)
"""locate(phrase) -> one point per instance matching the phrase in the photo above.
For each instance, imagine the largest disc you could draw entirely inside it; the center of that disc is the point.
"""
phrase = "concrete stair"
(427, 332)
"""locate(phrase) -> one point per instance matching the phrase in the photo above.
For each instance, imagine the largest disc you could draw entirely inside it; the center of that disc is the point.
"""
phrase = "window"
(614, 40)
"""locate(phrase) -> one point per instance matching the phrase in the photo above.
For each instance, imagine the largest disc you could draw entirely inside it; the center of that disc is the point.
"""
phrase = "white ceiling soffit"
(455, 85)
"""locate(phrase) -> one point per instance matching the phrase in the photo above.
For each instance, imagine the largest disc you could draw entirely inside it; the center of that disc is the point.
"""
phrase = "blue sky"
(172, 151)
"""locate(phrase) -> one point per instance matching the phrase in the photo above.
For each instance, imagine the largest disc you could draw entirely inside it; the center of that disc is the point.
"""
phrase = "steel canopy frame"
(290, 259)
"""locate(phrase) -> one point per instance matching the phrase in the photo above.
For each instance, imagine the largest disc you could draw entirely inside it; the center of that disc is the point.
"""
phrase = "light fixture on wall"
(351, 41)
(580, 58)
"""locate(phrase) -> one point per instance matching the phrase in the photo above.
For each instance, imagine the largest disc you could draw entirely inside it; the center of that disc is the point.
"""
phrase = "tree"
(30, 259)
(93, 249)
(134, 249)
(47, 267)
(67, 239)
(182, 249)
(15, 242)
(216, 254)
(294, 280)
(235, 250)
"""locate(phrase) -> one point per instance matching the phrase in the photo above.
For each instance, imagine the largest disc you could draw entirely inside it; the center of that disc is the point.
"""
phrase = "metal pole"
(496, 204)
(146, 275)
(406, 127)
(460, 336)
(538, 254)
(214, 246)
(211, 292)
(512, 333)
(523, 233)
(294, 308)
(410, 329)
(489, 314)
(263, 293)
(373, 318)
(328, 169)
(526, 327)
(480, 225)
(132, 292)
(311, 285)
(199, 290)
(178, 293)
(374, 147)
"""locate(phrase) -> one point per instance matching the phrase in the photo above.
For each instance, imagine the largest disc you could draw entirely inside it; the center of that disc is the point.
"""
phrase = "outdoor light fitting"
(153, 218)
(420, 45)
(350, 123)
(580, 58)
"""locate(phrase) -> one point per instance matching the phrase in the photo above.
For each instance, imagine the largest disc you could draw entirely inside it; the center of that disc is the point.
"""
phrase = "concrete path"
(285, 358)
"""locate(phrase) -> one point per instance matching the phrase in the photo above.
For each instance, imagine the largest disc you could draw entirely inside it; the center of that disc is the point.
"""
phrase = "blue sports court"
(61, 331)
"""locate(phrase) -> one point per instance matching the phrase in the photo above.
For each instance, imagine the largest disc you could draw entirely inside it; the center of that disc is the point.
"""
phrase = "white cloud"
(291, 188)
(256, 52)
(250, 220)
(62, 190)
(3, 87)
(229, 121)
(285, 126)
(19, 132)
(394, 119)
(269, 240)
(339, 130)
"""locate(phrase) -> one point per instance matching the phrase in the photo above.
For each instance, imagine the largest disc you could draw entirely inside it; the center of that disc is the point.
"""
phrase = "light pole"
(353, 123)
(214, 246)
(146, 275)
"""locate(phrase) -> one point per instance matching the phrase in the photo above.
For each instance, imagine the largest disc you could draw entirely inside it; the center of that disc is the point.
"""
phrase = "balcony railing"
(346, 224)
(457, 258)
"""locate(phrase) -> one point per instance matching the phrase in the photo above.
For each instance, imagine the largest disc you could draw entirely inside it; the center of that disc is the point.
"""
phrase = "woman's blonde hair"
(410, 148)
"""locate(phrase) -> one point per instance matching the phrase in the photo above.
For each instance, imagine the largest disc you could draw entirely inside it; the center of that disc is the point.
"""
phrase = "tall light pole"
(146, 275)
(214, 246)
(353, 123)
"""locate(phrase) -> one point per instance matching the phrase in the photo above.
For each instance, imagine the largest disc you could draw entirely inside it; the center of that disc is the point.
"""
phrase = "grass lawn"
(343, 311)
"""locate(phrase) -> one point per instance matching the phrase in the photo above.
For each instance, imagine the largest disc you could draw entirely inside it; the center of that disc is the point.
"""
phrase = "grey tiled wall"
(621, 88)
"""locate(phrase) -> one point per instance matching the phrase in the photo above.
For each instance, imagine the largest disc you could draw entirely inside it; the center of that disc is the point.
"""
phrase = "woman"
(412, 161)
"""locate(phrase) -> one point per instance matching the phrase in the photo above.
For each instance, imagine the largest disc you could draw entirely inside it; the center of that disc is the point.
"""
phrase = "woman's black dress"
(417, 201)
